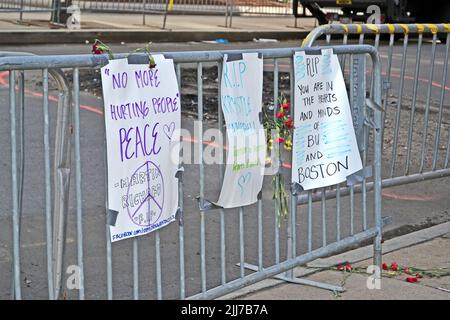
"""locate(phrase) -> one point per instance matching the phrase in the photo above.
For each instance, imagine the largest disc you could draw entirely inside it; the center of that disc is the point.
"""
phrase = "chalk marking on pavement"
(391, 195)
(42, 244)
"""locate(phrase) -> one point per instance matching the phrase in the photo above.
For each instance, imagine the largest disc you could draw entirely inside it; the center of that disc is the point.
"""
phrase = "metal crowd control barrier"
(29, 6)
(259, 7)
(418, 145)
(59, 189)
(195, 258)
(145, 7)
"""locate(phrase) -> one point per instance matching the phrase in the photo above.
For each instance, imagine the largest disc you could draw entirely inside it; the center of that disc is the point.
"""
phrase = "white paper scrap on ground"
(142, 119)
(241, 98)
(324, 151)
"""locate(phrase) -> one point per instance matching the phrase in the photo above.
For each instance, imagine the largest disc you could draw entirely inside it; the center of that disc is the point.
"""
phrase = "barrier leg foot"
(301, 281)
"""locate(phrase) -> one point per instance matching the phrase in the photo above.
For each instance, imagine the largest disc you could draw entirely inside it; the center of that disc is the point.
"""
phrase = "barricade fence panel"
(55, 239)
(260, 7)
(415, 93)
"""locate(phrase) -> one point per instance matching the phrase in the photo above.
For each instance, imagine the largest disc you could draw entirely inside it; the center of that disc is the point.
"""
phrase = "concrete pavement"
(119, 27)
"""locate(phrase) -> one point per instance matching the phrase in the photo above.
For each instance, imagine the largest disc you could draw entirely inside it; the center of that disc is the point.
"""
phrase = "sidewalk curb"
(352, 256)
(13, 37)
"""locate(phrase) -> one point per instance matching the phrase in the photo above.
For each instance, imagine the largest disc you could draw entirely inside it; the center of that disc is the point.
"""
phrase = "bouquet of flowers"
(279, 128)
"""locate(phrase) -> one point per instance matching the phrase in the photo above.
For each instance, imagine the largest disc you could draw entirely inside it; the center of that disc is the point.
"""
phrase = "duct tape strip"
(179, 174)
(358, 29)
(111, 218)
(391, 28)
(296, 188)
(234, 57)
(206, 205)
(359, 176)
(404, 27)
(313, 52)
(447, 27)
(373, 27)
(433, 28)
(420, 28)
(138, 58)
(179, 216)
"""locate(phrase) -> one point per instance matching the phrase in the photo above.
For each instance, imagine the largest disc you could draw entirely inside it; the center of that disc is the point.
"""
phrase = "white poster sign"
(142, 115)
(324, 151)
(241, 98)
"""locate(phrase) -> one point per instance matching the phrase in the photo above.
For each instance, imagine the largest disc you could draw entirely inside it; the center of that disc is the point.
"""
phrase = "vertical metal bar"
(241, 242)
(338, 212)
(324, 218)
(377, 163)
(21, 11)
(144, 2)
(361, 38)
(201, 171)
(158, 265)
(181, 240)
(290, 216)
(78, 195)
(181, 205)
(231, 13)
(309, 220)
(441, 104)
(21, 127)
(427, 107)
(260, 237)
(293, 209)
(364, 187)
(48, 186)
(226, 13)
(109, 281)
(376, 44)
(448, 148)
(388, 80)
(165, 14)
(14, 187)
(413, 106)
(109, 287)
(344, 56)
(399, 105)
(352, 209)
(293, 224)
(377, 40)
(277, 222)
(135, 269)
(220, 123)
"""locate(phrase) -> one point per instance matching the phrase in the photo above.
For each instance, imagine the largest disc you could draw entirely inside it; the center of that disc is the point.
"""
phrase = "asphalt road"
(412, 206)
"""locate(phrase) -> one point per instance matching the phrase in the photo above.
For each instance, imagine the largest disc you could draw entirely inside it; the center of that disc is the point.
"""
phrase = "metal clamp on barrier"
(359, 176)
(179, 214)
(206, 205)
(374, 106)
(179, 174)
(296, 188)
(138, 58)
(112, 217)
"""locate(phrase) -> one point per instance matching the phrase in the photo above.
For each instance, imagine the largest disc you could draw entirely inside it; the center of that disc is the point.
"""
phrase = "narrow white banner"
(324, 151)
(241, 98)
(142, 118)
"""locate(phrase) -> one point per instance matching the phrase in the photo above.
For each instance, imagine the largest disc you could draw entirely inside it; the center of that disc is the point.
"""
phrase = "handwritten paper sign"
(142, 115)
(241, 97)
(325, 151)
